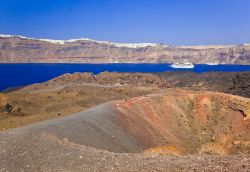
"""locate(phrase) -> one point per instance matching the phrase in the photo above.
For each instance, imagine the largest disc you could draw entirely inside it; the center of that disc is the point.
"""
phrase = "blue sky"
(177, 22)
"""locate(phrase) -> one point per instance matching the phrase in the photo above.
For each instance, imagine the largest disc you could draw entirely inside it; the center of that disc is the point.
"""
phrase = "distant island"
(19, 49)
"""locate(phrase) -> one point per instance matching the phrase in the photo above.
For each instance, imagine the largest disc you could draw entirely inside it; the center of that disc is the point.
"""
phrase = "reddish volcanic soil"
(133, 134)
(71, 93)
(188, 122)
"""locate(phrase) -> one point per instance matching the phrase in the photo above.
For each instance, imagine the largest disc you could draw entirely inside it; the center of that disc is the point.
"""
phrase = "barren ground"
(153, 123)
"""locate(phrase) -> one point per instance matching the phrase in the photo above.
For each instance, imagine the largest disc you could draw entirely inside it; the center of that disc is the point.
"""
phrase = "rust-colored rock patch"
(196, 122)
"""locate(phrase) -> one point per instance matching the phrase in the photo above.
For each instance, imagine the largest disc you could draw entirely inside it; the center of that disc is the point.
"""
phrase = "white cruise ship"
(182, 65)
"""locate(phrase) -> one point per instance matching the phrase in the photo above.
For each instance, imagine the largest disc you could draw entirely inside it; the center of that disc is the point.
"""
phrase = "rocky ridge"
(19, 49)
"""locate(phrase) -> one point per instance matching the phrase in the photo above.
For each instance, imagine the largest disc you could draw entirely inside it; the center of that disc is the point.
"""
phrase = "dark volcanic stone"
(241, 84)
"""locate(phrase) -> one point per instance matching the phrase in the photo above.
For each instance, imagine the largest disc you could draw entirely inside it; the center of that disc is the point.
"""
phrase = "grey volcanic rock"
(17, 49)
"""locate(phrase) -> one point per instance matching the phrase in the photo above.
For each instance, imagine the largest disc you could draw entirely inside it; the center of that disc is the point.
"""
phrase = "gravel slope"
(87, 141)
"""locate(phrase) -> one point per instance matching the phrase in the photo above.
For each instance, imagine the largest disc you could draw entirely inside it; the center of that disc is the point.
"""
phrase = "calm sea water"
(14, 75)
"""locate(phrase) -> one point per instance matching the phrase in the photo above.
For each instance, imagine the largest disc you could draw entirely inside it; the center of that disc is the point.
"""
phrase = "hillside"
(18, 49)
(129, 135)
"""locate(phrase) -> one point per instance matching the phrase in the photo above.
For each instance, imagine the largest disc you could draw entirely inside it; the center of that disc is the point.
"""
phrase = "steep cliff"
(18, 49)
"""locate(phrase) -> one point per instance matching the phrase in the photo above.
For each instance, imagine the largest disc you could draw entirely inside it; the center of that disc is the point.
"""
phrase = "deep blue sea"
(14, 75)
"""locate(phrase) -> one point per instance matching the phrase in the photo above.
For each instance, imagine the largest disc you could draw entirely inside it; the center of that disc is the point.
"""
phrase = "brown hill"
(71, 93)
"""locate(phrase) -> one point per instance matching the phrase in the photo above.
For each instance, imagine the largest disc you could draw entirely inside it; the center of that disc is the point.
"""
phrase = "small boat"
(182, 65)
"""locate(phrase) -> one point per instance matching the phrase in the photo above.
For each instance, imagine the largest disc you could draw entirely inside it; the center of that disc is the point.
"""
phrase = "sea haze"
(16, 75)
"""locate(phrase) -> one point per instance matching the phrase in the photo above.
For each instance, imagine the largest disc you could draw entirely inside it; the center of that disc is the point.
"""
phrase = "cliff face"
(17, 49)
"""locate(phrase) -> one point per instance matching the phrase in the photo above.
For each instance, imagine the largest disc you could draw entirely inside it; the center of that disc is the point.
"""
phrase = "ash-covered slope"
(173, 123)
(18, 49)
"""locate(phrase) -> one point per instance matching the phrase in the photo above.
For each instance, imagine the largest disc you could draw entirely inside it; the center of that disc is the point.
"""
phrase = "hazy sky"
(179, 22)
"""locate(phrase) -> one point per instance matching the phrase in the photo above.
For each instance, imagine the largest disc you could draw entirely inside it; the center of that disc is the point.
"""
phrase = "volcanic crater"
(175, 122)
(181, 122)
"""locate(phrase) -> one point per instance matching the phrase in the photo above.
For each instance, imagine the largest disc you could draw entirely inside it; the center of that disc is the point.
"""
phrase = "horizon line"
(63, 41)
